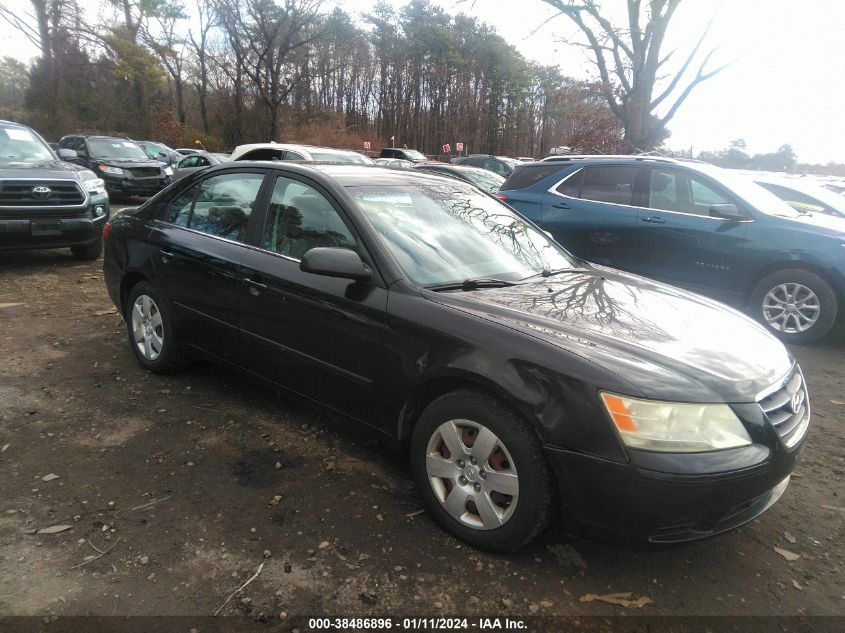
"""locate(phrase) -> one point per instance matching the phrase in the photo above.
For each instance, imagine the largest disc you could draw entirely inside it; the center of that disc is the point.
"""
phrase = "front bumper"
(56, 229)
(129, 185)
(690, 497)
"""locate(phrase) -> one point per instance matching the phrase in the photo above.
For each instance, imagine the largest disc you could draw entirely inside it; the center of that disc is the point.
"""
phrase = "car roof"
(99, 136)
(293, 146)
(13, 124)
(348, 174)
(454, 167)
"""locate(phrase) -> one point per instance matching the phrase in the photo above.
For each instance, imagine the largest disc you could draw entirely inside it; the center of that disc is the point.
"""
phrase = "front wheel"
(796, 305)
(151, 332)
(481, 471)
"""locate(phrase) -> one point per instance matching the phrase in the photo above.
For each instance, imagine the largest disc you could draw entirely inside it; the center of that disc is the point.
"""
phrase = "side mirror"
(727, 212)
(67, 154)
(335, 262)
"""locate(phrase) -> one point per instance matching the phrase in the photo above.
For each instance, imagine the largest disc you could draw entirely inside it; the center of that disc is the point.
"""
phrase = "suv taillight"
(502, 197)
(106, 231)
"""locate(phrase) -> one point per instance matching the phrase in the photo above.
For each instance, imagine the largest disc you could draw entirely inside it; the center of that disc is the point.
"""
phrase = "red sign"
(366, 145)
(459, 147)
(447, 149)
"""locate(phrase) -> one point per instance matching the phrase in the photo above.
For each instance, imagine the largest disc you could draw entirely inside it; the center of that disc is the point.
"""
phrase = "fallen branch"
(117, 540)
(232, 595)
(143, 505)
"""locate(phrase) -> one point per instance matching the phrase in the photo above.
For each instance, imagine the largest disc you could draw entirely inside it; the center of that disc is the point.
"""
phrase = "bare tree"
(207, 20)
(162, 38)
(270, 35)
(630, 64)
(49, 17)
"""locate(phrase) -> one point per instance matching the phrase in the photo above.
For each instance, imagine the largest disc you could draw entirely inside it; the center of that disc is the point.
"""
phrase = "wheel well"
(429, 391)
(129, 281)
(774, 267)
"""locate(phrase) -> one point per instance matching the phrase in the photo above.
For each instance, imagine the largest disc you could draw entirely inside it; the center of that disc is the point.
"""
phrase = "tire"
(151, 333)
(89, 251)
(515, 465)
(795, 305)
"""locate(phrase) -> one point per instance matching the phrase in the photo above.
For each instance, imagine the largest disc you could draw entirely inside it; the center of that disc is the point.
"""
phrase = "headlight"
(94, 185)
(675, 427)
(168, 170)
(115, 171)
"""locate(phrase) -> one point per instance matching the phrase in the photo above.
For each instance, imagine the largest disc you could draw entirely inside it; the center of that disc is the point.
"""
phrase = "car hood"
(51, 169)
(831, 223)
(667, 343)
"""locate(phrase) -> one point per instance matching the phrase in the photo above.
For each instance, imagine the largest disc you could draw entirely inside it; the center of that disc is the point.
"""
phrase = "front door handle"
(653, 219)
(166, 256)
(561, 205)
(254, 286)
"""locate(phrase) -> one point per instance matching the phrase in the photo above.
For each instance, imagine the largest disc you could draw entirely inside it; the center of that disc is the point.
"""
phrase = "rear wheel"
(796, 305)
(89, 251)
(481, 471)
(151, 332)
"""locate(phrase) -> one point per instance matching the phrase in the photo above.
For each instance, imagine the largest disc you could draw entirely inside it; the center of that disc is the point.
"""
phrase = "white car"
(804, 195)
(286, 151)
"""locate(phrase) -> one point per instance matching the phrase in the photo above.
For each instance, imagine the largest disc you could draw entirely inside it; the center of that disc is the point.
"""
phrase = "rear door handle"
(561, 205)
(166, 256)
(653, 219)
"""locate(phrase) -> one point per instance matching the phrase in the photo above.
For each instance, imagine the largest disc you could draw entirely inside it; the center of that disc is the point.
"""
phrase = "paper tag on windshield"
(19, 135)
(125, 144)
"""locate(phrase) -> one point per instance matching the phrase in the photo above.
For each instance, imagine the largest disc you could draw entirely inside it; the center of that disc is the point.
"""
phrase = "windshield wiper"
(472, 284)
(550, 273)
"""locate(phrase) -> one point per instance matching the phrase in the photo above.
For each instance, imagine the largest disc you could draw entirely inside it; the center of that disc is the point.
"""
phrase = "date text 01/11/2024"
(415, 624)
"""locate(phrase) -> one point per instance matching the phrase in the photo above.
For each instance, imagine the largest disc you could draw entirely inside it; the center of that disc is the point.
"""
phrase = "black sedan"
(518, 378)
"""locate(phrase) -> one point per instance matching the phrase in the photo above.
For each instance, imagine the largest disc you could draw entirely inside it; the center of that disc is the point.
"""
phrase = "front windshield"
(414, 154)
(486, 180)
(750, 191)
(19, 145)
(115, 149)
(443, 233)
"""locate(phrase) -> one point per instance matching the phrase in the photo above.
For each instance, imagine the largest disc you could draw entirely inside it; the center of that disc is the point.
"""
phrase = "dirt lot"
(188, 483)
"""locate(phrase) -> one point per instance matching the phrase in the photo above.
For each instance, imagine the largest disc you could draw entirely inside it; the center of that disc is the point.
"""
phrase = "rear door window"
(178, 212)
(613, 184)
(224, 204)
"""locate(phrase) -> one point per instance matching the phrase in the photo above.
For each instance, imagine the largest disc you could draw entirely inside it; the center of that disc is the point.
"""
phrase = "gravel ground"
(176, 489)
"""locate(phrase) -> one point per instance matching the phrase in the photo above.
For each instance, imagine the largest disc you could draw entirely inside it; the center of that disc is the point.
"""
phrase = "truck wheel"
(89, 251)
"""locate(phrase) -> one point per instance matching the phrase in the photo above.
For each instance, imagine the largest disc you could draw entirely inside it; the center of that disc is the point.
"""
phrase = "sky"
(783, 85)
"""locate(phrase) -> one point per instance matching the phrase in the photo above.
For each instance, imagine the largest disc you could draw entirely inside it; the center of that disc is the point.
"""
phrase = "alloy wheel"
(472, 474)
(147, 329)
(791, 308)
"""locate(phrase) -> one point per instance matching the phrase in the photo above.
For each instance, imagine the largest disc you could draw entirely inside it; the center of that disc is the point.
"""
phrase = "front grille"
(788, 409)
(145, 172)
(29, 193)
